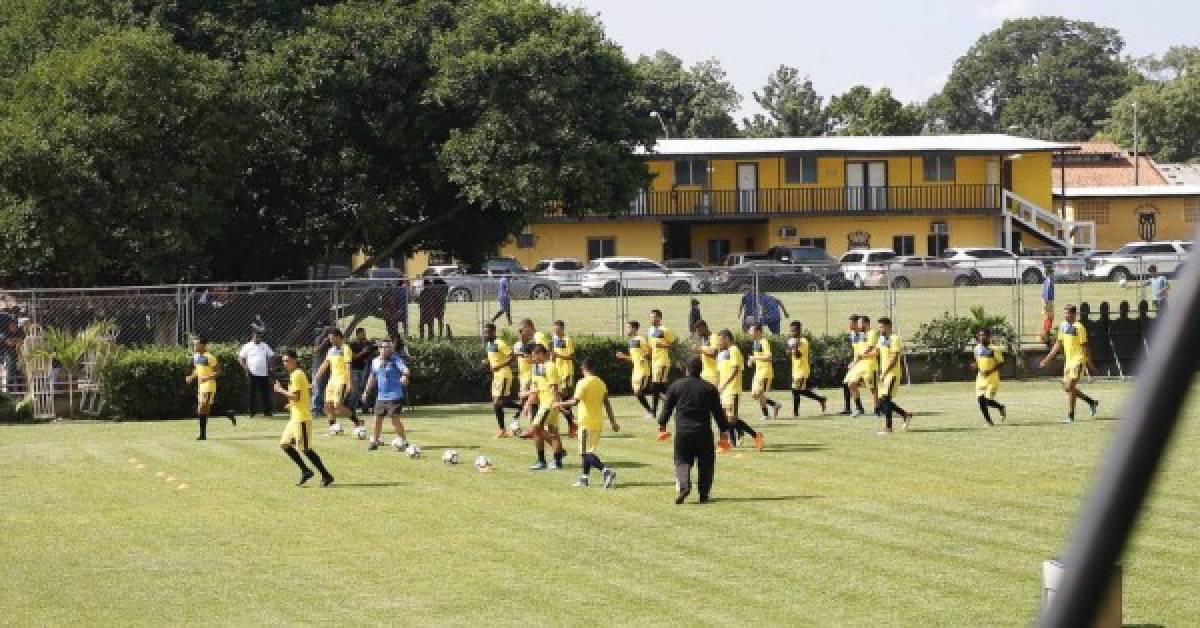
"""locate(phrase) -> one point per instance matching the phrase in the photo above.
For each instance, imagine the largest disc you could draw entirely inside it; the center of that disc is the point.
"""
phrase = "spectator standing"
(694, 316)
(748, 308)
(395, 308)
(1159, 289)
(441, 292)
(504, 299)
(255, 358)
(1048, 302)
(771, 311)
(362, 351)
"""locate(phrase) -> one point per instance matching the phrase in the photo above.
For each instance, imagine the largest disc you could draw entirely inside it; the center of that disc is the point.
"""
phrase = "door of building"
(877, 191)
(866, 185)
(747, 187)
(677, 240)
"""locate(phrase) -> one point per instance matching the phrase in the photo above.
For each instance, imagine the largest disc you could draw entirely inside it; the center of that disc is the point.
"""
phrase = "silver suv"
(995, 265)
(1134, 259)
(567, 272)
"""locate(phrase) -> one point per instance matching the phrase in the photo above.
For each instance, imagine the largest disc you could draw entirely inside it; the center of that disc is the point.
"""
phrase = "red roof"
(1104, 164)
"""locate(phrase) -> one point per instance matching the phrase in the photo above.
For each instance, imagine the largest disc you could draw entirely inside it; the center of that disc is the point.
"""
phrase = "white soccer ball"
(482, 462)
(360, 432)
(399, 444)
(450, 456)
(514, 427)
(412, 451)
(335, 429)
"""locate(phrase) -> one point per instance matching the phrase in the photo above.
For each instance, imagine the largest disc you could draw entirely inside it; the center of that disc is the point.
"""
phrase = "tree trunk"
(404, 236)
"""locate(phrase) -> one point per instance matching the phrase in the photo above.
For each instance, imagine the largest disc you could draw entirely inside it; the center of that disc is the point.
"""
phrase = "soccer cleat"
(335, 429)
(845, 413)
(201, 437)
(582, 482)
(1068, 419)
(1003, 413)
(907, 417)
(759, 441)
(555, 466)
(884, 432)
(360, 432)
(305, 476)
(682, 495)
(989, 423)
(610, 478)
(649, 416)
(663, 436)
(1092, 408)
(855, 414)
(327, 481)
(373, 446)
(538, 466)
(232, 419)
(501, 434)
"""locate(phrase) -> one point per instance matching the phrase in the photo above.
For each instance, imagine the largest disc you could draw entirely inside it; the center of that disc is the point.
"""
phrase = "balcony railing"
(702, 202)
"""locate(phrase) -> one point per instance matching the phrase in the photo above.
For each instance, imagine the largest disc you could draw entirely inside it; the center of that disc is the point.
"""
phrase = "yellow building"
(915, 194)
(1135, 213)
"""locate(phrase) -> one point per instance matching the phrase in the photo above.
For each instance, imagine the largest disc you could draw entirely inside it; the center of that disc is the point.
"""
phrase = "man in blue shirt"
(748, 308)
(1048, 300)
(773, 312)
(1158, 289)
(504, 298)
(389, 375)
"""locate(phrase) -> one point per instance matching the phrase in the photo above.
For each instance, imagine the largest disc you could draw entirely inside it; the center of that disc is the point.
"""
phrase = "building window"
(524, 240)
(1095, 211)
(938, 240)
(601, 247)
(800, 170)
(717, 250)
(1191, 209)
(691, 172)
(939, 168)
(904, 244)
(816, 243)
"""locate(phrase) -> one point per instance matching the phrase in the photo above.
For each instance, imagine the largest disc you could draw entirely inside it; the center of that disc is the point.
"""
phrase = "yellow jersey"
(591, 391)
(890, 347)
(204, 365)
(1073, 337)
(524, 365)
(499, 355)
(539, 338)
(870, 339)
(639, 352)
(730, 362)
(798, 352)
(338, 359)
(564, 353)
(988, 357)
(708, 357)
(762, 349)
(545, 378)
(661, 340)
(300, 408)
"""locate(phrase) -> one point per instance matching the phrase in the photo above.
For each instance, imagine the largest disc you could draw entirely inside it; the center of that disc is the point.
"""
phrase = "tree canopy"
(793, 107)
(693, 102)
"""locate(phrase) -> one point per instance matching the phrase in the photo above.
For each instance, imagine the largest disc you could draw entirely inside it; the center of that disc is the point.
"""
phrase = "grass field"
(821, 312)
(830, 525)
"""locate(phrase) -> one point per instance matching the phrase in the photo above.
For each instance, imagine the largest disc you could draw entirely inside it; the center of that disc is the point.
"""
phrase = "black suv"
(772, 277)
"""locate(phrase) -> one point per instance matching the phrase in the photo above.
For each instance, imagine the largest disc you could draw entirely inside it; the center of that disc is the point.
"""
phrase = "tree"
(1168, 117)
(793, 108)
(860, 111)
(1173, 64)
(1046, 77)
(692, 102)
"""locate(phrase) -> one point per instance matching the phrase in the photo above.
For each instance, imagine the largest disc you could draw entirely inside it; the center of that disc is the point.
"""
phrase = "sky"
(907, 45)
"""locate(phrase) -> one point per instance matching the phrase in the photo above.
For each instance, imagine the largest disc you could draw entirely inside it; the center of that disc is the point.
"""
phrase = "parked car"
(919, 272)
(733, 259)
(612, 275)
(856, 264)
(1132, 260)
(465, 288)
(502, 266)
(567, 272)
(995, 265)
(767, 277)
(443, 270)
(804, 255)
(690, 265)
(1074, 267)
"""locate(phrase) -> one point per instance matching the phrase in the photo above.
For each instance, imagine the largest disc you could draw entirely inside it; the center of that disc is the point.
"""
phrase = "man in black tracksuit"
(695, 403)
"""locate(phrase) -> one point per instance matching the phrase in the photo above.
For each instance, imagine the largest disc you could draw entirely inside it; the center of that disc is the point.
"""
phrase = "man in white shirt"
(255, 358)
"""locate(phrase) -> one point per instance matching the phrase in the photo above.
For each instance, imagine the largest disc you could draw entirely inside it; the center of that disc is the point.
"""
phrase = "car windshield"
(1187, 246)
(594, 266)
(948, 253)
(1128, 249)
(850, 258)
(541, 266)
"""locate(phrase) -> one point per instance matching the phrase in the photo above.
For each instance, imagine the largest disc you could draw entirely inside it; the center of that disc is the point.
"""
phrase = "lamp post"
(656, 116)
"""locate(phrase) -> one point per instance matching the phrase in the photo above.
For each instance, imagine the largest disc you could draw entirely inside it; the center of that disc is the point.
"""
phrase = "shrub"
(946, 339)
(148, 383)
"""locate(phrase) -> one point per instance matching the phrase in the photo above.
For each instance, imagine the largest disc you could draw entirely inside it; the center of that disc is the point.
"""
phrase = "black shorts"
(389, 408)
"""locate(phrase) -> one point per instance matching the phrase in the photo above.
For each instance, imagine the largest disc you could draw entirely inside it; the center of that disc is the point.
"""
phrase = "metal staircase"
(1070, 235)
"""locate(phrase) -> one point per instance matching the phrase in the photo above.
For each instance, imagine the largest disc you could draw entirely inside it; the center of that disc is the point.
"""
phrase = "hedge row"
(148, 383)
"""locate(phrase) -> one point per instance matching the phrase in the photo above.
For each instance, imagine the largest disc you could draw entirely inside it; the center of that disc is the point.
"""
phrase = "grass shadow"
(456, 447)
(642, 484)
(772, 498)
(794, 448)
(260, 437)
(626, 464)
(943, 430)
(368, 485)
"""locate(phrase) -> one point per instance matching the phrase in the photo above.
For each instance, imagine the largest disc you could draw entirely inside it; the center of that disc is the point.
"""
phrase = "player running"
(205, 371)
(591, 395)
(729, 384)
(864, 367)
(337, 367)
(798, 351)
(298, 432)
(661, 340)
(1073, 343)
(887, 350)
(499, 360)
(639, 357)
(545, 418)
(761, 357)
(988, 360)
(851, 337)
(390, 375)
(706, 347)
(562, 349)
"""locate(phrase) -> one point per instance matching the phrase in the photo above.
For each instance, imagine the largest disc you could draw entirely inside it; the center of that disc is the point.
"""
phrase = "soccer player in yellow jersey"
(1073, 343)
(340, 386)
(706, 347)
(864, 365)
(639, 358)
(545, 384)
(499, 361)
(888, 349)
(205, 371)
(562, 350)
(591, 397)
(661, 341)
(762, 358)
(298, 432)
(729, 384)
(988, 359)
(801, 359)
(521, 351)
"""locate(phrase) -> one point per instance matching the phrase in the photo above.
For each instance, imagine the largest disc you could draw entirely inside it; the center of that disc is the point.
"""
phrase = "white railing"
(1069, 234)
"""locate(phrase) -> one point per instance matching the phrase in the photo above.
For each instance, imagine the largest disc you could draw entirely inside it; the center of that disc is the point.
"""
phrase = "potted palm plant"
(72, 349)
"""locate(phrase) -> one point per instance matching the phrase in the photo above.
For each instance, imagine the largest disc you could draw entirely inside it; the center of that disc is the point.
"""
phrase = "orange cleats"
(501, 434)
(759, 441)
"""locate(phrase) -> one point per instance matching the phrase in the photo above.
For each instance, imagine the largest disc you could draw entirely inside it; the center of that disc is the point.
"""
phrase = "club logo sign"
(858, 239)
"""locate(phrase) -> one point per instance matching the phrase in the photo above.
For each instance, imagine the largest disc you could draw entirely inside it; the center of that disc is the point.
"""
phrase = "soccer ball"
(360, 432)
(450, 456)
(514, 428)
(335, 429)
(412, 451)
(399, 444)
(482, 462)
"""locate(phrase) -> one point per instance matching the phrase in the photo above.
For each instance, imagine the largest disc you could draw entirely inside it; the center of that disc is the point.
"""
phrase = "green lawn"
(831, 525)
(821, 312)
